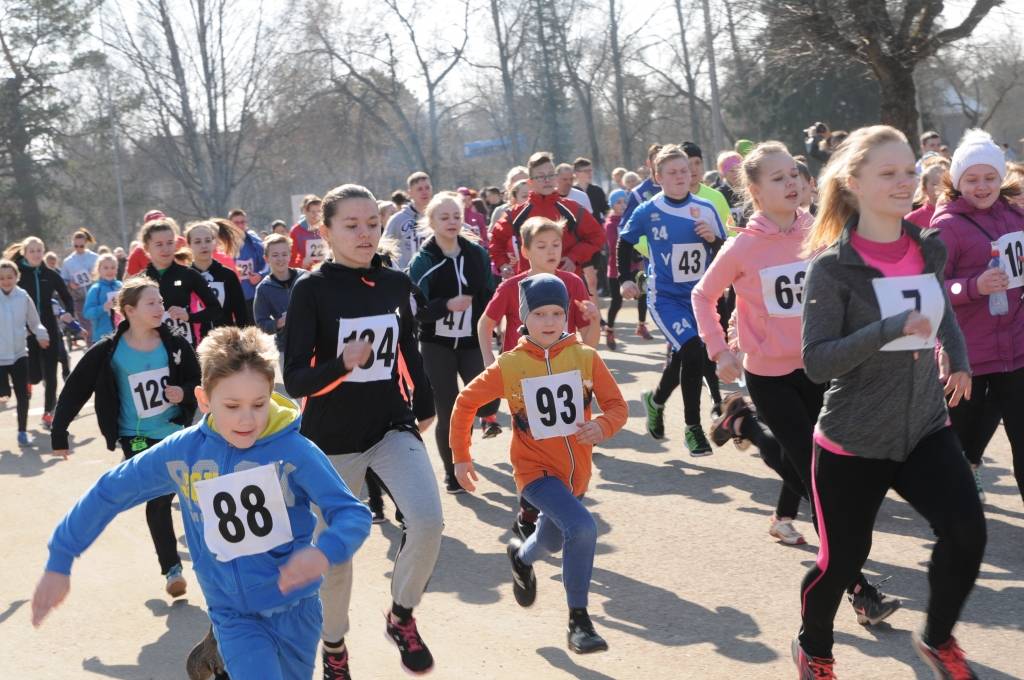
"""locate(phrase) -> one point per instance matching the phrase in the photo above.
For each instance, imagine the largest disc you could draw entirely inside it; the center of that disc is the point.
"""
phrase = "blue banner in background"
(485, 147)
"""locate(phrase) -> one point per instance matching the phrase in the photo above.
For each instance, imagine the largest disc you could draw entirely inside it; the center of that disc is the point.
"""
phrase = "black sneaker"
(378, 517)
(582, 637)
(204, 660)
(522, 528)
(733, 406)
(524, 582)
(336, 665)
(452, 486)
(871, 605)
(491, 428)
(416, 658)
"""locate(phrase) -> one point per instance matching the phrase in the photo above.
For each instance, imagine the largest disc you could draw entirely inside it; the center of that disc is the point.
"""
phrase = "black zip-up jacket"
(177, 284)
(41, 283)
(350, 411)
(441, 278)
(95, 374)
(233, 309)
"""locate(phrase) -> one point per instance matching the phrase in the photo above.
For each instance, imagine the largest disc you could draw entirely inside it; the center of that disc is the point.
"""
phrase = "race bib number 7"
(783, 289)
(921, 293)
(554, 404)
(689, 261)
(381, 332)
(244, 513)
(1011, 257)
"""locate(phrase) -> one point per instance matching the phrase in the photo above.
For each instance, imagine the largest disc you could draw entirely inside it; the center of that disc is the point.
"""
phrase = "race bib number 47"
(381, 332)
(554, 404)
(243, 513)
(454, 324)
(783, 289)
(689, 261)
(921, 293)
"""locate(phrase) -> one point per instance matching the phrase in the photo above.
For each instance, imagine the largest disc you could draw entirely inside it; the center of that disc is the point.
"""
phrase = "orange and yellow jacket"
(562, 457)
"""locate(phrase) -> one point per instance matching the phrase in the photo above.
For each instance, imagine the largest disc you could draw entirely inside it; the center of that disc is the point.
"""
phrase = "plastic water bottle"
(997, 302)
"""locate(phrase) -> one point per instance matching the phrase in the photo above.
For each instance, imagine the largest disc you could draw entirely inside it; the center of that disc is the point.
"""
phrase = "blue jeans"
(281, 646)
(563, 523)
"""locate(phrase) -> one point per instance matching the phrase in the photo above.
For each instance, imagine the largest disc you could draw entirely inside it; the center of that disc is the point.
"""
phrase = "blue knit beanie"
(614, 197)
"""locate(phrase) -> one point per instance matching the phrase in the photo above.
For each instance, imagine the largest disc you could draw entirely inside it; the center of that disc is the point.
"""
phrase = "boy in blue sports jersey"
(245, 479)
(683, 233)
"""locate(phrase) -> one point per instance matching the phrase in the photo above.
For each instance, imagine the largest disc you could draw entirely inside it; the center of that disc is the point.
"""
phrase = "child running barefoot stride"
(549, 380)
(245, 479)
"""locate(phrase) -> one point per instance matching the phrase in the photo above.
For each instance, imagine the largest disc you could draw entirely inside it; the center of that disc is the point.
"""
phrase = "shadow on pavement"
(561, 660)
(11, 609)
(28, 463)
(186, 625)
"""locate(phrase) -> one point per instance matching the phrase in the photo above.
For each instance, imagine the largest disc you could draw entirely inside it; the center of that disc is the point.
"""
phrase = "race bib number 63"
(554, 404)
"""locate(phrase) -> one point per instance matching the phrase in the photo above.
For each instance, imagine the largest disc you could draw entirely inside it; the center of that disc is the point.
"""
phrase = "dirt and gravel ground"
(687, 583)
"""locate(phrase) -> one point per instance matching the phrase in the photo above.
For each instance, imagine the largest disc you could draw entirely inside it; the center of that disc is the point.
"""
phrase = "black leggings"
(158, 517)
(17, 373)
(936, 481)
(42, 366)
(444, 367)
(687, 366)
(993, 394)
(616, 304)
(792, 490)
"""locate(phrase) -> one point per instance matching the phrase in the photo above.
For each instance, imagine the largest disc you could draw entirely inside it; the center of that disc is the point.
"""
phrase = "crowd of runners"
(862, 299)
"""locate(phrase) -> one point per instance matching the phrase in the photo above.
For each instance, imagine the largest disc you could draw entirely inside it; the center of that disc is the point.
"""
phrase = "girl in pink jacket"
(764, 265)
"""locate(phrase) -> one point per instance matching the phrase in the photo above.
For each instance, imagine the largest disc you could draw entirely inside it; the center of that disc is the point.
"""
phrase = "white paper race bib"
(689, 261)
(381, 332)
(179, 328)
(316, 249)
(148, 392)
(1011, 257)
(111, 296)
(455, 324)
(243, 513)
(922, 293)
(218, 289)
(783, 288)
(554, 404)
(81, 278)
(244, 267)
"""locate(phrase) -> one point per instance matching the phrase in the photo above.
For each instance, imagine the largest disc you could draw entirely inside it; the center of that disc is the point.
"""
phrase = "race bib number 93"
(554, 404)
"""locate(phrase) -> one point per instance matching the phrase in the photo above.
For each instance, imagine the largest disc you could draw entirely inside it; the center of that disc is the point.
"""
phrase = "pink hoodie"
(764, 267)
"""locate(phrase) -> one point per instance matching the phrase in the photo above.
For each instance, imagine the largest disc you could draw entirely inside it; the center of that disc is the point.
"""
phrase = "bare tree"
(980, 78)
(203, 76)
(508, 18)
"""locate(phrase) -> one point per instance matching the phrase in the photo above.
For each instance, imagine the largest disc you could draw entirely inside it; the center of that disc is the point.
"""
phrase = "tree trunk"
(898, 106)
(691, 83)
(22, 164)
(556, 132)
(625, 139)
(507, 85)
(717, 137)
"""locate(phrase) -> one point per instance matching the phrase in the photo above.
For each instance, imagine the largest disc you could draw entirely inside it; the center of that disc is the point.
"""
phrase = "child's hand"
(174, 394)
(356, 353)
(66, 318)
(917, 324)
(590, 311)
(425, 424)
(177, 313)
(567, 265)
(43, 343)
(590, 432)
(958, 386)
(466, 475)
(729, 368)
(704, 230)
(459, 303)
(50, 592)
(254, 279)
(303, 567)
(108, 305)
(629, 291)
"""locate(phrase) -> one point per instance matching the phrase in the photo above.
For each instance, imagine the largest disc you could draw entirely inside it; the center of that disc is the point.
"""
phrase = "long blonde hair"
(836, 203)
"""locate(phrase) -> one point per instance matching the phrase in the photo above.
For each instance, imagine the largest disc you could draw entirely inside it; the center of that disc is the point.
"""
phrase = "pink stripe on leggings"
(822, 561)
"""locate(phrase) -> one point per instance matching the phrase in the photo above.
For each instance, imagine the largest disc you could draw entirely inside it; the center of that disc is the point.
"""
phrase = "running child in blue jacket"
(245, 479)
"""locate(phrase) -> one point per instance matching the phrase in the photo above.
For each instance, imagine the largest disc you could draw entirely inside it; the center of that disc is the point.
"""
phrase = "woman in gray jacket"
(874, 307)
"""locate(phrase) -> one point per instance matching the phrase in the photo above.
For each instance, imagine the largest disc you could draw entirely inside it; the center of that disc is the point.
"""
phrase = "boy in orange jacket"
(549, 380)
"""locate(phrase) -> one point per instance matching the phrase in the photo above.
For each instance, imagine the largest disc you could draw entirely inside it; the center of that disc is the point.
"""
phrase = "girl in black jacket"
(177, 283)
(202, 238)
(143, 378)
(41, 283)
(453, 273)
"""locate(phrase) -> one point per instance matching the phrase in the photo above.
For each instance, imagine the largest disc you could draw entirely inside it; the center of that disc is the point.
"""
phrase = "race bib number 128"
(554, 404)
(381, 331)
(244, 513)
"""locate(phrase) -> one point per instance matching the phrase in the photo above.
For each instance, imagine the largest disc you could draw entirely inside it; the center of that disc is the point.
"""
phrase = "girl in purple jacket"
(977, 219)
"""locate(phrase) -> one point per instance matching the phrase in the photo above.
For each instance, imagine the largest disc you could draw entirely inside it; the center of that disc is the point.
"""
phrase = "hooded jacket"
(93, 374)
(764, 267)
(18, 315)
(581, 239)
(250, 260)
(177, 286)
(995, 344)
(562, 457)
(246, 584)
(225, 285)
(301, 235)
(102, 321)
(271, 303)
(350, 411)
(441, 278)
(42, 283)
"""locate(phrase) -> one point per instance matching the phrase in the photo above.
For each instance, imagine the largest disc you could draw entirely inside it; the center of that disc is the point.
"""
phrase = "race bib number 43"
(921, 293)
(243, 513)
(689, 261)
(381, 332)
(148, 392)
(554, 404)
(783, 289)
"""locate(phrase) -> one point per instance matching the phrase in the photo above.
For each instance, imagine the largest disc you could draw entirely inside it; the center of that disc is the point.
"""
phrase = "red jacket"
(581, 239)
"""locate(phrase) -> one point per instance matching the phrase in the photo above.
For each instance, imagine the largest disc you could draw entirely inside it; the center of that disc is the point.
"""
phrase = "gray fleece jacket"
(878, 404)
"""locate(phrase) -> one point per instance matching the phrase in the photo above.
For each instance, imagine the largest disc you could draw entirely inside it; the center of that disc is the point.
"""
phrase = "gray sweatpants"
(400, 460)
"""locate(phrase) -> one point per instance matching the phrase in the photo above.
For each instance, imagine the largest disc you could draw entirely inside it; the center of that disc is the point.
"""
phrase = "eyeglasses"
(544, 178)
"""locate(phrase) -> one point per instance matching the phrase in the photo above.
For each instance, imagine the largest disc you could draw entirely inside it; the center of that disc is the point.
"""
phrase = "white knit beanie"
(976, 148)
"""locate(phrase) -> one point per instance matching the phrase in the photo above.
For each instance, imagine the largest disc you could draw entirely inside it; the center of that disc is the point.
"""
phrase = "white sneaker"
(782, 528)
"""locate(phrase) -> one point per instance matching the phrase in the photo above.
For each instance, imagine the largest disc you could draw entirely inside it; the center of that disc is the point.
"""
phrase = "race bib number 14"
(921, 293)
(554, 404)
(243, 513)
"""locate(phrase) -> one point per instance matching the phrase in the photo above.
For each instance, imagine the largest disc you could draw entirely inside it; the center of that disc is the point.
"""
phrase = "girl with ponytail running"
(874, 306)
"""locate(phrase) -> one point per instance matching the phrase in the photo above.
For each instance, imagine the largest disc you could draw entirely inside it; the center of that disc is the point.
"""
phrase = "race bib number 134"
(381, 331)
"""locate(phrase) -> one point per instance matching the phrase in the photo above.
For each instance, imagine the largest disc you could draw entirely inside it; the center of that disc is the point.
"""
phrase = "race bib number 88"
(921, 293)
(689, 260)
(554, 404)
(381, 331)
(243, 513)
